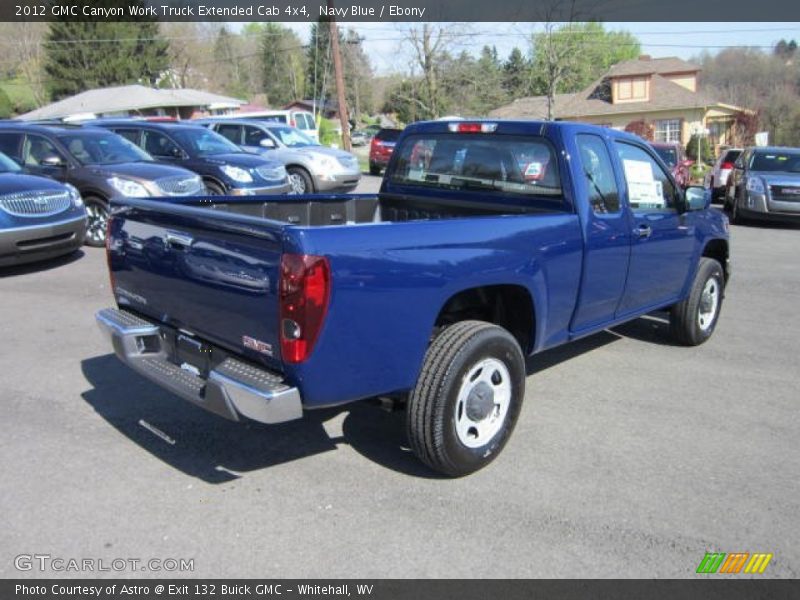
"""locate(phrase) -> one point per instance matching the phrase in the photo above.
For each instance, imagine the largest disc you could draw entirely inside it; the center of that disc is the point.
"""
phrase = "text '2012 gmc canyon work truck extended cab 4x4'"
(488, 241)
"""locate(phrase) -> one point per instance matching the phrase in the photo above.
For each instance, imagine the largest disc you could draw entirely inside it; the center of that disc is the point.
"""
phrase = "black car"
(224, 167)
(100, 164)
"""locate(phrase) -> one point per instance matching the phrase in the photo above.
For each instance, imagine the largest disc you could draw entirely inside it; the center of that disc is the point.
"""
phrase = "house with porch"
(661, 92)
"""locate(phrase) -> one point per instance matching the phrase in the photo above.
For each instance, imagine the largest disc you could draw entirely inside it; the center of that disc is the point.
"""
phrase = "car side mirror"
(697, 198)
(266, 143)
(52, 160)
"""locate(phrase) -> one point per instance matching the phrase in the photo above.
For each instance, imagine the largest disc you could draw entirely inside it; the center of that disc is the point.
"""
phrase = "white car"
(300, 119)
(717, 178)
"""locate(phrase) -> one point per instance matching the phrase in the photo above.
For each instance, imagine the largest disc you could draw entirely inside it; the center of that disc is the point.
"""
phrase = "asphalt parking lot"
(632, 456)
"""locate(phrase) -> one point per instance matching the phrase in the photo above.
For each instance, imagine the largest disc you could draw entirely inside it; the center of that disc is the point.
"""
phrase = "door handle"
(178, 240)
(643, 231)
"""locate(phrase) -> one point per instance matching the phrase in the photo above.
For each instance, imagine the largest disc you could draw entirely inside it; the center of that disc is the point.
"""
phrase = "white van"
(301, 119)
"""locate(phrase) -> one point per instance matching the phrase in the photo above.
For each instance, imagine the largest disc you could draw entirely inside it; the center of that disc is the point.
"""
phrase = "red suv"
(673, 155)
(380, 150)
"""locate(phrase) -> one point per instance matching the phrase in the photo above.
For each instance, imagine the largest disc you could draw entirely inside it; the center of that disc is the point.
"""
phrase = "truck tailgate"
(211, 274)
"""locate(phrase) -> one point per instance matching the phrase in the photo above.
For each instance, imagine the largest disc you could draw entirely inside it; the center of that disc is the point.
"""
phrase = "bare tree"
(25, 53)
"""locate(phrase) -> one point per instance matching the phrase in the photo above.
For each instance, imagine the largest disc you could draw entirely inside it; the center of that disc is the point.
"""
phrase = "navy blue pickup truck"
(488, 241)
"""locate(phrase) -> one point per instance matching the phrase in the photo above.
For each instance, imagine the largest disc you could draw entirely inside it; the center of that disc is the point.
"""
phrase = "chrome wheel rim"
(709, 304)
(482, 403)
(298, 183)
(96, 221)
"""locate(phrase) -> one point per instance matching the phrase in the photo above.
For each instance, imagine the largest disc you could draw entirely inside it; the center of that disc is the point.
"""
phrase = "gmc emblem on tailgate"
(257, 345)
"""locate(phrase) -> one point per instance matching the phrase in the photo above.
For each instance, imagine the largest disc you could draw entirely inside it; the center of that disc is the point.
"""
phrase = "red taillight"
(461, 127)
(726, 165)
(304, 292)
(108, 252)
(292, 123)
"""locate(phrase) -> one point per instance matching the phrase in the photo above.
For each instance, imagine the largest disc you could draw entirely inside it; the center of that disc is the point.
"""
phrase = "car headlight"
(74, 195)
(755, 185)
(128, 187)
(323, 162)
(237, 174)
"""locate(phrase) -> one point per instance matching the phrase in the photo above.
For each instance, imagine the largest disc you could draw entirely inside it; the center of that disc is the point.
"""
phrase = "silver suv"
(311, 166)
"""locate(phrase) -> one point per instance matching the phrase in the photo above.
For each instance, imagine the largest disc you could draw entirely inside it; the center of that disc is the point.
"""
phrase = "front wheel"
(96, 221)
(300, 181)
(694, 319)
(467, 399)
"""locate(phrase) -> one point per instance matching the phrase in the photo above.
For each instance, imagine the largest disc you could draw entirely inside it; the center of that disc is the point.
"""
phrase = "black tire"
(301, 181)
(97, 218)
(374, 170)
(736, 216)
(214, 189)
(686, 323)
(434, 407)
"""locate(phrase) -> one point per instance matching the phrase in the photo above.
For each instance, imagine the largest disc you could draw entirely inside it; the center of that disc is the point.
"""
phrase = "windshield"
(668, 155)
(102, 149)
(7, 165)
(776, 161)
(204, 142)
(481, 162)
(291, 137)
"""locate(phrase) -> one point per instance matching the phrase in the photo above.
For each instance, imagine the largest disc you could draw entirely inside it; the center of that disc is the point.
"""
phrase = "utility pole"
(337, 70)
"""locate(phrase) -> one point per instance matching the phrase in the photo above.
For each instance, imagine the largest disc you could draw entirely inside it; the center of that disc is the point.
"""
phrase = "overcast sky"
(383, 41)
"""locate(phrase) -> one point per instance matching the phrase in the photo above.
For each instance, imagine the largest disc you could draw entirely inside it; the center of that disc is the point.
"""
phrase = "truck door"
(663, 240)
(606, 231)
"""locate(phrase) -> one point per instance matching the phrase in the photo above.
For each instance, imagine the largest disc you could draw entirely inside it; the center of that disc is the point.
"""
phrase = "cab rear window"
(503, 164)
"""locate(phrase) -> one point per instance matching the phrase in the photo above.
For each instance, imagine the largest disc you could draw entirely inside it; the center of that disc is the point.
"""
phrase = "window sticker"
(643, 189)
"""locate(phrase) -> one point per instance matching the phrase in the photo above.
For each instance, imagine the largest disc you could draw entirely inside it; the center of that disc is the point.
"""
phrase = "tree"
(517, 75)
(568, 57)
(24, 53)
(79, 55)
(644, 129)
(430, 51)
(319, 64)
(698, 149)
(358, 74)
(6, 107)
(785, 50)
(283, 65)
(229, 74)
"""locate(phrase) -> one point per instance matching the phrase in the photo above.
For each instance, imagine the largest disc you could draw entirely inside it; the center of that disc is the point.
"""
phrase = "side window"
(231, 132)
(132, 135)
(253, 135)
(159, 145)
(36, 148)
(649, 187)
(599, 174)
(310, 122)
(11, 145)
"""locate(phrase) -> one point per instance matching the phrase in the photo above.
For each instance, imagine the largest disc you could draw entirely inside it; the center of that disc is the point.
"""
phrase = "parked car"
(311, 167)
(39, 218)
(430, 293)
(100, 164)
(380, 150)
(224, 167)
(717, 179)
(674, 157)
(360, 137)
(301, 119)
(765, 185)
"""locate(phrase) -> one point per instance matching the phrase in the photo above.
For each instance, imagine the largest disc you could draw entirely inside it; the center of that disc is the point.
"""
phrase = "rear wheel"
(468, 397)
(693, 320)
(374, 169)
(300, 181)
(96, 221)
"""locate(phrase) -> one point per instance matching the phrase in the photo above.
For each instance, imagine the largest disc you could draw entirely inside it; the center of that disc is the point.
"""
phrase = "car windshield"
(785, 161)
(7, 165)
(102, 149)
(488, 163)
(668, 155)
(204, 142)
(291, 137)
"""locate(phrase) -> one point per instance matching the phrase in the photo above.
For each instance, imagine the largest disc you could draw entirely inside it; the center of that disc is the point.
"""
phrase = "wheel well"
(718, 250)
(508, 306)
(209, 179)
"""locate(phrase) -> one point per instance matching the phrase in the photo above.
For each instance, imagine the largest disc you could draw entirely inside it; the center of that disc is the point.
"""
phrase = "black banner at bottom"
(397, 589)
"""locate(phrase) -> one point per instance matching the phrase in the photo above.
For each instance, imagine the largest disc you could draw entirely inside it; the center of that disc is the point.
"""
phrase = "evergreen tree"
(283, 64)
(516, 75)
(77, 60)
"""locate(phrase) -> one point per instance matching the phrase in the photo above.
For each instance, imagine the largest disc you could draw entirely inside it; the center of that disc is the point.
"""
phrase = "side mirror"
(266, 143)
(697, 198)
(52, 160)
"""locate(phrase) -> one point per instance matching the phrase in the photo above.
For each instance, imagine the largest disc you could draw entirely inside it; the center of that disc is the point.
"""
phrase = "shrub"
(699, 149)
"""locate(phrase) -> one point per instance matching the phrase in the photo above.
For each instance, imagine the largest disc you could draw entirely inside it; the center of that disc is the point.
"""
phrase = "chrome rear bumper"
(233, 389)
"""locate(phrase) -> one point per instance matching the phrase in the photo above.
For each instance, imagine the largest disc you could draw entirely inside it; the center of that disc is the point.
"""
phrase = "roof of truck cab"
(523, 127)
